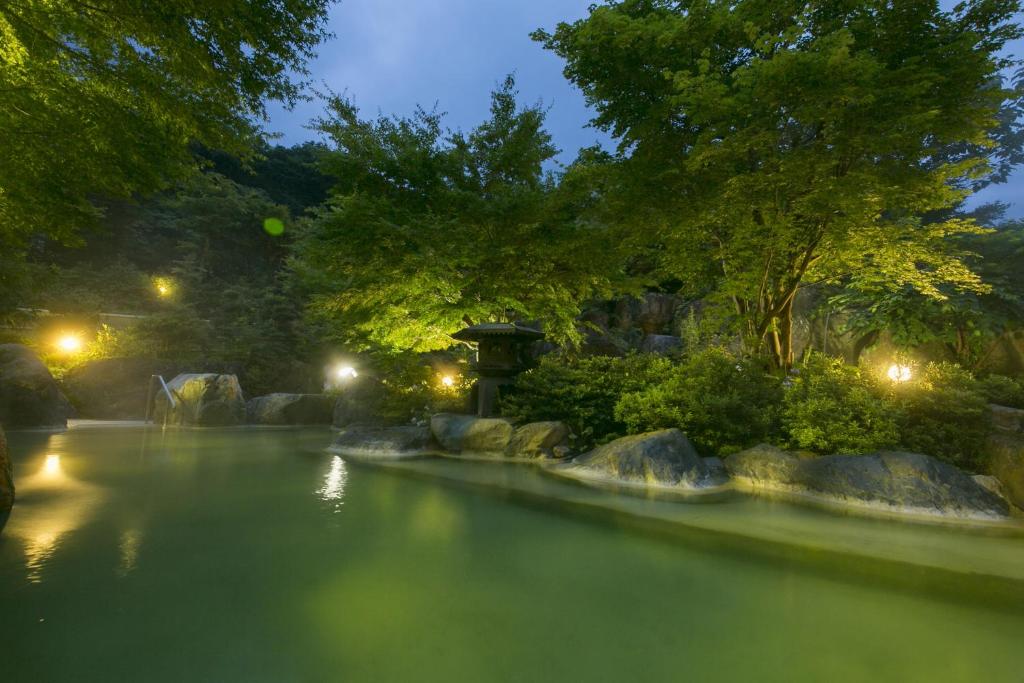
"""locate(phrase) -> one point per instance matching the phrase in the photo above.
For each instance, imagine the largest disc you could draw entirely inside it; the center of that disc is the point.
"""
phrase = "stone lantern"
(503, 351)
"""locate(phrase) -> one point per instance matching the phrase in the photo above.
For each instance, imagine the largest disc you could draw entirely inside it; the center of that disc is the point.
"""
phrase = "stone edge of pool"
(1002, 590)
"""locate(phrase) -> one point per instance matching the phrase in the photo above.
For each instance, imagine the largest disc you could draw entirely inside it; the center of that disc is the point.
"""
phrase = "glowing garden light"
(164, 287)
(899, 373)
(447, 381)
(69, 343)
(345, 372)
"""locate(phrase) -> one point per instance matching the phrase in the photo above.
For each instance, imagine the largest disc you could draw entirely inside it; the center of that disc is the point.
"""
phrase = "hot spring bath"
(252, 555)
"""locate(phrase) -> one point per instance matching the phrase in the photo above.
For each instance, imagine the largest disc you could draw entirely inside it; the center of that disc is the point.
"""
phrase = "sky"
(390, 55)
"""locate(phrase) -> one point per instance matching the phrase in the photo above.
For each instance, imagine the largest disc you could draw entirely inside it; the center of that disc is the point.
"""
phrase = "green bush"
(1002, 390)
(582, 392)
(942, 412)
(724, 404)
(830, 407)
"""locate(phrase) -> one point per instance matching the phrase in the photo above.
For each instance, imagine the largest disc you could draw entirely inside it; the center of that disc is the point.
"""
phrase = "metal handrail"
(151, 397)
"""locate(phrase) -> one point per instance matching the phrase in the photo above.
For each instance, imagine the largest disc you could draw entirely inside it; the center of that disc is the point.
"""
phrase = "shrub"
(1002, 390)
(582, 392)
(724, 404)
(831, 407)
(944, 413)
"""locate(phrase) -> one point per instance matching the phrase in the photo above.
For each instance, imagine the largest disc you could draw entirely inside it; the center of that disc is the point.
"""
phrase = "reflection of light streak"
(51, 467)
(129, 547)
(50, 505)
(334, 484)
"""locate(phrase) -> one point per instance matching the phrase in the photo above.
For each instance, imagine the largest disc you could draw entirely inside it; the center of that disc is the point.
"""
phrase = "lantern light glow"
(69, 343)
(346, 372)
(899, 373)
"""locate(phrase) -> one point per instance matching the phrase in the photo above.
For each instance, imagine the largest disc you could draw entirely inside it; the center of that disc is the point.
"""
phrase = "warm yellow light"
(51, 466)
(164, 286)
(346, 372)
(69, 343)
(899, 373)
(448, 380)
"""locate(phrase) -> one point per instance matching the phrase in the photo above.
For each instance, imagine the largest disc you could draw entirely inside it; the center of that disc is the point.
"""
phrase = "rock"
(361, 402)
(908, 482)
(763, 465)
(115, 388)
(663, 344)
(6, 481)
(539, 440)
(29, 396)
(664, 458)
(1007, 419)
(384, 442)
(656, 312)
(290, 409)
(990, 483)
(472, 435)
(716, 468)
(1006, 463)
(204, 399)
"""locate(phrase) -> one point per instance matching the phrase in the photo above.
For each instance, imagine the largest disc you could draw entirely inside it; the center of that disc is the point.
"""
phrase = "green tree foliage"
(723, 403)
(427, 231)
(968, 323)
(774, 144)
(106, 97)
(582, 392)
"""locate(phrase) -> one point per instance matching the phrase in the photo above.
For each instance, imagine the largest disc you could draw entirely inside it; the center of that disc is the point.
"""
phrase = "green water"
(251, 555)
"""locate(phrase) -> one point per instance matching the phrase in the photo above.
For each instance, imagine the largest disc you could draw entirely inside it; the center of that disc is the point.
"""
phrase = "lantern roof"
(489, 330)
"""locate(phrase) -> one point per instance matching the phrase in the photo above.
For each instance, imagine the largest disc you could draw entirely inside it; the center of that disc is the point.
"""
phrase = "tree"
(765, 145)
(426, 231)
(969, 324)
(106, 97)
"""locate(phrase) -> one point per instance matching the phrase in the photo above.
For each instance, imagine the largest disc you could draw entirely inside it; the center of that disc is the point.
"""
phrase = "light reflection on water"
(333, 489)
(51, 504)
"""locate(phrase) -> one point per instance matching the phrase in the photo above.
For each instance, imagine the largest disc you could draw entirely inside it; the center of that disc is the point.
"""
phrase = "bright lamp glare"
(899, 373)
(448, 380)
(346, 372)
(69, 343)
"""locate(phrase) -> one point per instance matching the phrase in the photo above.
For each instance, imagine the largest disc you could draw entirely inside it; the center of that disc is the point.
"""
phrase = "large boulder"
(361, 402)
(29, 396)
(115, 388)
(384, 443)
(6, 481)
(664, 458)
(762, 466)
(290, 409)
(905, 482)
(472, 435)
(496, 437)
(203, 399)
(539, 440)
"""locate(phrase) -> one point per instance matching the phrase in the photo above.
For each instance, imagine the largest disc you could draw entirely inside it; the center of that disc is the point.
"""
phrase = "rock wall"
(115, 388)
(895, 481)
(29, 396)
(499, 438)
(290, 409)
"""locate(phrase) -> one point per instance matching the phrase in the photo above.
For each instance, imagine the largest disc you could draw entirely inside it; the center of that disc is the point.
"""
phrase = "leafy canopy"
(105, 97)
(775, 143)
(429, 230)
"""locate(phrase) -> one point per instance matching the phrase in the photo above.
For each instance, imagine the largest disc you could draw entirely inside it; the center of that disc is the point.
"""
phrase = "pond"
(253, 555)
